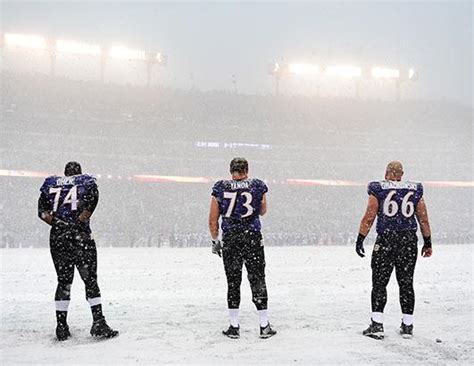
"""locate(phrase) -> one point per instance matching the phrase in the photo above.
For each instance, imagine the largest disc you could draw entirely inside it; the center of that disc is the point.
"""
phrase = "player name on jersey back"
(239, 184)
(388, 184)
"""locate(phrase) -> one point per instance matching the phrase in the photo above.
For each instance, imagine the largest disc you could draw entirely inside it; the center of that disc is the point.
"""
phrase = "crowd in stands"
(117, 132)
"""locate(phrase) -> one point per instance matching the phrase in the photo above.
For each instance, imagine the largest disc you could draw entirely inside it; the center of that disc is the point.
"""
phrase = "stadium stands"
(124, 131)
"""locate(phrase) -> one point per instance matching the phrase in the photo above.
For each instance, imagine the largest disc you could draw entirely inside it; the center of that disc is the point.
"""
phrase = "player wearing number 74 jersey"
(66, 204)
(397, 205)
(240, 202)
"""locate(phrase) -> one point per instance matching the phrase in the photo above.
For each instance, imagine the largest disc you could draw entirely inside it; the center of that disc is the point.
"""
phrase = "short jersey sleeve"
(48, 183)
(263, 187)
(90, 182)
(44, 186)
(217, 189)
(419, 192)
(373, 189)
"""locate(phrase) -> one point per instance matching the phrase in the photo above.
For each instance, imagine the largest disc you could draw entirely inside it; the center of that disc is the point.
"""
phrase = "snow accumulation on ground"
(170, 308)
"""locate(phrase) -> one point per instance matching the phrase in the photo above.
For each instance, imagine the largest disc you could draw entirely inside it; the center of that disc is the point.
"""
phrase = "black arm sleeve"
(43, 205)
(91, 199)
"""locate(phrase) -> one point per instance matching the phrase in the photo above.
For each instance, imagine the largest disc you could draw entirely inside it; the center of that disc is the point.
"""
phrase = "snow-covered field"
(170, 307)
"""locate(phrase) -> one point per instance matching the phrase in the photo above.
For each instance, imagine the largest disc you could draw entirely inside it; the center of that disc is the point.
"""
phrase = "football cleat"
(62, 332)
(406, 331)
(375, 330)
(232, 332)
(101, 330)
(267, 332)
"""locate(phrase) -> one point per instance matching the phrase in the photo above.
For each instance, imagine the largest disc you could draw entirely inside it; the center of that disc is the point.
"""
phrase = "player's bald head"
(72, 168)
(394, 170)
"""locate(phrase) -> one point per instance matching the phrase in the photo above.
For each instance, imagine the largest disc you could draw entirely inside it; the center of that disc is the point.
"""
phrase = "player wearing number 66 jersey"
(67, 203)
(398, 205)
(240, 202)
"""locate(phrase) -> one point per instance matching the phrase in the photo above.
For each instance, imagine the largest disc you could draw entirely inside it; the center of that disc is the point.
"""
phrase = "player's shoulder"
(374, 187)
(51, 178)
(86, 180)
(259, 184)
(415, 186)
(256, 181)
(50, 181)
(218, 187)
(219, 183)
(412, 182)
(411, 185)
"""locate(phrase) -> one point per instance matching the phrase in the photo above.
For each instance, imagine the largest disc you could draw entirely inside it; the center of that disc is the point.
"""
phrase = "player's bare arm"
(366, 224)
(214, 219)
(421, 213)
(214, 227)
(369, 216)
(263, 209)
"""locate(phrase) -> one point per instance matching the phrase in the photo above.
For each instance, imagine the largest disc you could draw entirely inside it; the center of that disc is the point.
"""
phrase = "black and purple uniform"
(239, 206)
(396, 244)
(71, 243)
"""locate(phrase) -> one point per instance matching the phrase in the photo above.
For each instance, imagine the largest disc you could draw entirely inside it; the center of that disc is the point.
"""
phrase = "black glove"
(217, 247)
(360, 246)
(427, 242)
(426, 251)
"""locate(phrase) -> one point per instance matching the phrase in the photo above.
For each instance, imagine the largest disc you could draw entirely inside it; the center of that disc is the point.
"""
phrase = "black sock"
(97, 312)
(61, 317)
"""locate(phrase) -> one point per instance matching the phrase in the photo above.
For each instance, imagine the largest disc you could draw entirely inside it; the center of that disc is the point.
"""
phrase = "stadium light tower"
(396, 75)
(346, 72)
(302, 68)
(388, 74)
(276, 70)
(77, 48)
(29, 41)
(124, 53)
(54, 47)
(343, 71)
(410, 75)
(32, 42)
(152, 59)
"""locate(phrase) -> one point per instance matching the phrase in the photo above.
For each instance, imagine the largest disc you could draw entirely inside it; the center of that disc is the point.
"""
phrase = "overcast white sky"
(212, 41)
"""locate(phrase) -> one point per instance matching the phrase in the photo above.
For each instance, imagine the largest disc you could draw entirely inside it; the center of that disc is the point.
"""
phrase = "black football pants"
(241, 248)
(74, 248)
(397, 250)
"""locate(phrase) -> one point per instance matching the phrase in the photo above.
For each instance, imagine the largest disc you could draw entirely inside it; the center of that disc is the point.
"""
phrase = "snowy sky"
(208, 42)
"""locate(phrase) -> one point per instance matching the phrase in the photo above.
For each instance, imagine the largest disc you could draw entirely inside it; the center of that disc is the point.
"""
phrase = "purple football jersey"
(397, 204)
(240, 202)
(68, 195)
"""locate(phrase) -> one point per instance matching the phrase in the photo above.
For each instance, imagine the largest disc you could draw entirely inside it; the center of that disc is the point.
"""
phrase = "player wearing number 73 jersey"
(240, 202)
(397, 205)
(67, 203)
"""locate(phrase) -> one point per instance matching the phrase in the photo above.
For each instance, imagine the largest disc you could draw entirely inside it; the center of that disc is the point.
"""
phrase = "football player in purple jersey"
(239, 202)
(66, 204)
(398, 205)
